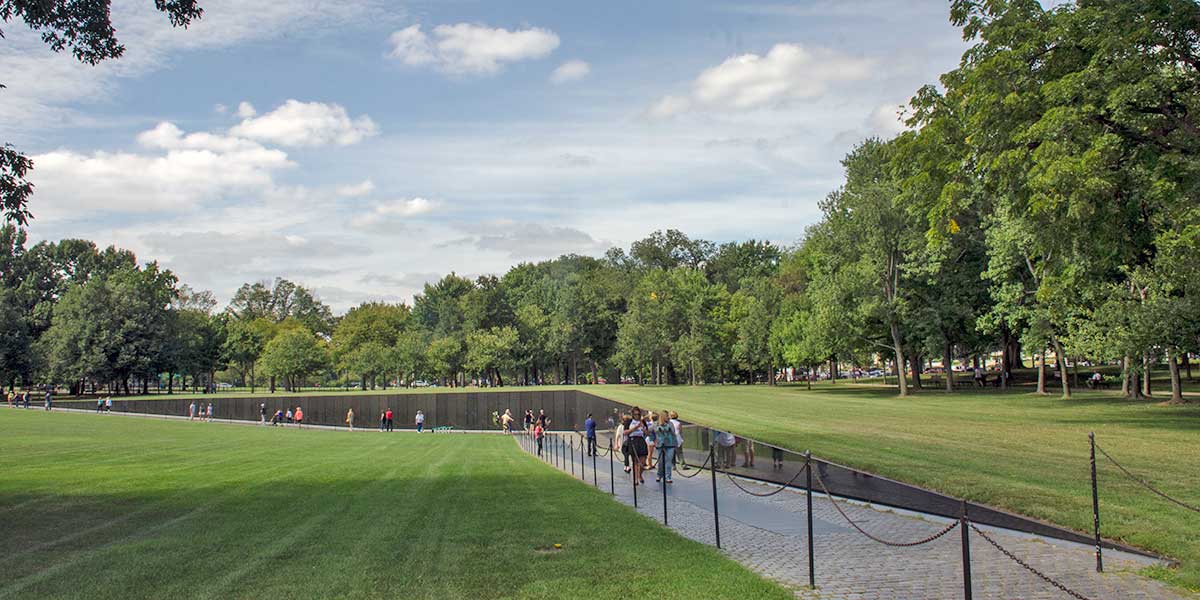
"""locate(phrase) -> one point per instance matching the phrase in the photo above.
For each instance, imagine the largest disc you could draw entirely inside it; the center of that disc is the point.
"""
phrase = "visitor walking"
(665, 438)
(108, 404)
(651, 424)
(528, 420)
(288, 414)
(420, 421)
(382, 421)
(277, 418)
(589, 433)
(621, 441)
(192, 411)
(726, 449)
(678, 441)
(388, 419)
(49, 395)
(636, 432)
(27, 398)
(99, 405)
(262, 413)
(350, 419)
(208, 414)
(538, 434)
(542, 419)
(506, 421)
(299, 417)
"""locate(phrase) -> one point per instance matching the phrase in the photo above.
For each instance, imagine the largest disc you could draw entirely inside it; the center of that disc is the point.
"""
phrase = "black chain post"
(662, 455)
(612, 469)
(595, 477)
(633, 477)
(964, 524)
(582, 462)
(572, 457)
(1096, 505)
(812, 577)
(712, 452)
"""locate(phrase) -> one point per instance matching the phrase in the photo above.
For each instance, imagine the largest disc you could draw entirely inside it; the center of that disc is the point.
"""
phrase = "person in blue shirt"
(590, 427)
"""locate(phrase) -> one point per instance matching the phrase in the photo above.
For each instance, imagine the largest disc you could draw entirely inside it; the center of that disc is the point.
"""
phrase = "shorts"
(638, 446)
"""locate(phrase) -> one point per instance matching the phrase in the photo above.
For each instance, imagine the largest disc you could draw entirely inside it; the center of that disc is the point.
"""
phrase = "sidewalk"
(769, 535)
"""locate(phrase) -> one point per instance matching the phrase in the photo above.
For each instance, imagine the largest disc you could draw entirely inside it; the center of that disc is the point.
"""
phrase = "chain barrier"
(768, 494)
(1144, 484)
(919, 542)
(1026, 566)
(699, 469)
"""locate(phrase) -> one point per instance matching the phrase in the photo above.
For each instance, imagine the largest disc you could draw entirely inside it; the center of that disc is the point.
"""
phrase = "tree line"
(1042, 202)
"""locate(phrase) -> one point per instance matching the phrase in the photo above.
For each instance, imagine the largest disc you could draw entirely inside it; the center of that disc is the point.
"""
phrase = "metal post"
(1096, 506)
(572, 457)
(712, 457)
(812, 577)
(595, 478)
(633, 478)
(662, 455)
(965, 524)
(612, 469)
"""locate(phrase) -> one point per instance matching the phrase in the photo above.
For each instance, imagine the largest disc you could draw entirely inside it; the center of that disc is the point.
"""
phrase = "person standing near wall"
(420, 421)
(299, 417)
(262, 413)
(589, 427)
(108, 404)
(192, 410)
(387, 418)
(350, 419)
(506, 421)
(667, 442)
(208, 414)
(678, 440)
(538, 434)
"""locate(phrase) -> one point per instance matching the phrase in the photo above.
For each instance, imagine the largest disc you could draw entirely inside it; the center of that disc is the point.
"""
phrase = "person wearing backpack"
(667, 441)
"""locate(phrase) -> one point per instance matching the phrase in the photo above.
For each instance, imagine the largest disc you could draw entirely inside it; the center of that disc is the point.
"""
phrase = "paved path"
(768, 535)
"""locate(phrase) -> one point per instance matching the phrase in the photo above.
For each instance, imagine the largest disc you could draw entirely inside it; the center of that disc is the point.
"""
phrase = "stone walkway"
(769, 535)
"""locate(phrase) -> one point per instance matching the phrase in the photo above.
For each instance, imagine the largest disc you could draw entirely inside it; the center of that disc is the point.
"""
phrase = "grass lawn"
(1014, 450)
(112, 507)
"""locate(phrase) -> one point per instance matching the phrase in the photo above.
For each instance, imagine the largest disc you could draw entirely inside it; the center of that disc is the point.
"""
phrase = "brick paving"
(768, 536)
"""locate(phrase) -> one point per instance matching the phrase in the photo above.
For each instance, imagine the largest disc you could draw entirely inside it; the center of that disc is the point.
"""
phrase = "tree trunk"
(947, 367)
(1176, 385)
(1146, 391)
(915, 361)
(1062, 366)
(1187, 364)
(1041, 389)
(897, 343)
(771, 372)
(1126, 377)
(170, 383)
(252, 378)
(833, 370)
(272, 384)
(811, 371)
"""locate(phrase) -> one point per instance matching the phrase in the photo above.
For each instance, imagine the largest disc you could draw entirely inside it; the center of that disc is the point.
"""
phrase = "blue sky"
(364, 147)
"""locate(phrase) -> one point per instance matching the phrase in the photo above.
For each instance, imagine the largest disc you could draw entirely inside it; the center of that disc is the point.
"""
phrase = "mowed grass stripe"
(248, 512)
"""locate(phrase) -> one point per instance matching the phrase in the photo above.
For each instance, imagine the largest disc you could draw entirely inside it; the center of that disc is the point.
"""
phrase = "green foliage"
(294, 354)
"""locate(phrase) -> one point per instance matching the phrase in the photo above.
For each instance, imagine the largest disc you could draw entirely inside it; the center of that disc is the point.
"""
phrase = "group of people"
(104, 404)
(387, 420)
(282, 416)
(201, 412)
(643, 437)
(23, 399)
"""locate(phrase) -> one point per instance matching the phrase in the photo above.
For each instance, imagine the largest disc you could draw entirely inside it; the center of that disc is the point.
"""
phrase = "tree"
(490, 352)
(85, 29)
(752, 311)
(244, 344)
(293, 355)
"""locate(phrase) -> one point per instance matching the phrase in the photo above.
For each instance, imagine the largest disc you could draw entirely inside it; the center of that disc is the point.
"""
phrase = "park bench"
(443, 429)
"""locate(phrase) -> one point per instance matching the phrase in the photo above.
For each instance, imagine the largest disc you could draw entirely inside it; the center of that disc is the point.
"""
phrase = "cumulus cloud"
(298, 123)
(393, 214)
(749, 81)
(572, 70)
(245, 110)
(469, 49)
(251, 255)
(190, 169)
(356, 190)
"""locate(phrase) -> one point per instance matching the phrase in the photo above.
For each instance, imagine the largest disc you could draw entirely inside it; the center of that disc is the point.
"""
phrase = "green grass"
(111, 507)
(1018, 451)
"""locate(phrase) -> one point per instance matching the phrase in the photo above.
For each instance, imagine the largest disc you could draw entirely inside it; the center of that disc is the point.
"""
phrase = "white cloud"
(572, 70)
(245, 110)
(530, 240)
(392, 214)
(749, 81)
(307, 124)
(356, 190)
(885, 120)
(470, 49)
(220, 109)
(72, 185)
(44, 87)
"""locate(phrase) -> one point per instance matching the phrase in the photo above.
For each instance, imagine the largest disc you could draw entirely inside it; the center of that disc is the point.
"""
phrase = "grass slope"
(111, 507)
(1018, 451)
